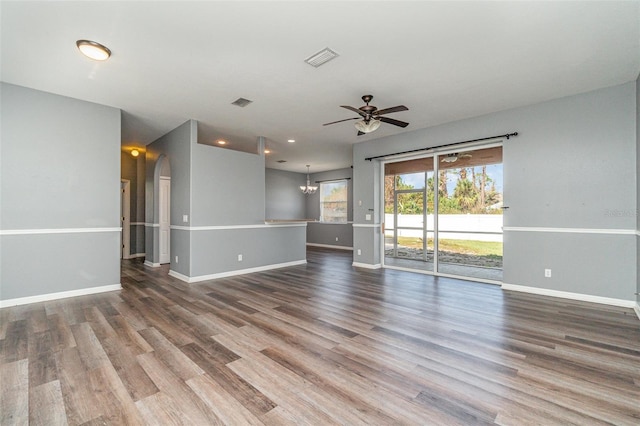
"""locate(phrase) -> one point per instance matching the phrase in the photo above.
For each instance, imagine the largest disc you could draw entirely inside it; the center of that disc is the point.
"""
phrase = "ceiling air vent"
(241, 102)
(322, 57)
(281, 161)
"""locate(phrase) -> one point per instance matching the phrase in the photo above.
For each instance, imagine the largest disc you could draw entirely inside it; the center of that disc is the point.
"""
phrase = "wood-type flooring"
(318, 344)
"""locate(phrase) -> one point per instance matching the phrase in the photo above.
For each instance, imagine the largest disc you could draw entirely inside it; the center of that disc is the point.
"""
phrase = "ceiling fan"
(453, 157)
(371, 117)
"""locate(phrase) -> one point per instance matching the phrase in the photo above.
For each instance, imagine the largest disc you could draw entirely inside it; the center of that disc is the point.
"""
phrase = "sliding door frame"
(436, 154)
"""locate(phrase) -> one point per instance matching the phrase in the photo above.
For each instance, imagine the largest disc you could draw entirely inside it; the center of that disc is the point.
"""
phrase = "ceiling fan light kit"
(369, 127)
(370, 116)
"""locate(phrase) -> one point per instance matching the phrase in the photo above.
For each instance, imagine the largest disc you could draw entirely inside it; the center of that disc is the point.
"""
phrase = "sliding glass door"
(466, 224)
(409, 214)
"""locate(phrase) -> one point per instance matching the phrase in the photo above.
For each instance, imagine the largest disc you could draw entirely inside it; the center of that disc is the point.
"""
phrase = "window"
(333, 201)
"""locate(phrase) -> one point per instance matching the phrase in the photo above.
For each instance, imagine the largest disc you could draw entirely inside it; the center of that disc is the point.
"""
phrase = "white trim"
(56, 231)
(236, 272)
(366, 225)
(60, 295)
(638, 233)
(330, 246)
(569, 295)
(151, 264)
(636, 308)
(137, 224)
(331, 223)
(135, 255)
(571, 230)
(366, 265)
(225, 227)
(154, 225)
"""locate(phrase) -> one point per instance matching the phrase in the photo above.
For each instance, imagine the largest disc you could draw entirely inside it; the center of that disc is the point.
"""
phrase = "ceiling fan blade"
(340, 121)
(356, 110)
(392, 109)
(361, 133)
(394, 122)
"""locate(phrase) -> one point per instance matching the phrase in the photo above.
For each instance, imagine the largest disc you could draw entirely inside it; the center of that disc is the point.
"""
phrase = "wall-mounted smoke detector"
(322, 57)
(241, 102)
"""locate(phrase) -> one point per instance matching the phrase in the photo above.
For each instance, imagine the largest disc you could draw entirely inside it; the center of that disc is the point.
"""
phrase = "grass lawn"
(478, 248)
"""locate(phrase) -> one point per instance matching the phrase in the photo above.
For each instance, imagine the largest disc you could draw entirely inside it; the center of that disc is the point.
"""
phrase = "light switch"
(367, 216)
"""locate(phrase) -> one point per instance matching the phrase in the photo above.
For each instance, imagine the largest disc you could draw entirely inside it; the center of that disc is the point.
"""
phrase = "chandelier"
(308, 189)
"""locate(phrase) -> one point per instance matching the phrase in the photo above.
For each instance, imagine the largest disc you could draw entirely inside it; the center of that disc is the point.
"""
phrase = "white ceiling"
(173, 61)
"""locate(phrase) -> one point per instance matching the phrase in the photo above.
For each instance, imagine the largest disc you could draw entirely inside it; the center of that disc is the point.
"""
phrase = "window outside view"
(333, 201)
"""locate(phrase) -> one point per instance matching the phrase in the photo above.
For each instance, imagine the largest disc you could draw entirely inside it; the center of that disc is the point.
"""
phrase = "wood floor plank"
(319, 343)
(14, 393)
(187, 402)
(46, 405)
(228, 409)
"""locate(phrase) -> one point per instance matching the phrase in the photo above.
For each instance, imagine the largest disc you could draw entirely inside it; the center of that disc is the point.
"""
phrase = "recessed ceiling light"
(291, 140)
(93, 50)
(221, 142)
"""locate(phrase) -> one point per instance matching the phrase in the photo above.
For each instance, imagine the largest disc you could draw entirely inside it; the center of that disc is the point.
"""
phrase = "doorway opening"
(125, 219)
(455, 230)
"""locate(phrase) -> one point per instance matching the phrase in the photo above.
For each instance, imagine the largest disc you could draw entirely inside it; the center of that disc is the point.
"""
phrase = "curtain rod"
(508, 135)
(332, 180)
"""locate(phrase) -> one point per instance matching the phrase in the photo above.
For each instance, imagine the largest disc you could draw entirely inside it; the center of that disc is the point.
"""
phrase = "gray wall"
(175, 147)
(283, 198)
(228, 186)
(572, 167)
(229, 194)
(222, 192)
(638, 187)
(58, 173)
(327, 233)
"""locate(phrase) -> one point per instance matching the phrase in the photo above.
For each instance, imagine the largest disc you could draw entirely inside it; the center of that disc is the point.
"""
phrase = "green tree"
(466, 196)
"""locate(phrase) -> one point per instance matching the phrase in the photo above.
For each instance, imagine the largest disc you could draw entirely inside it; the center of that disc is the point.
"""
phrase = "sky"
(494, 171)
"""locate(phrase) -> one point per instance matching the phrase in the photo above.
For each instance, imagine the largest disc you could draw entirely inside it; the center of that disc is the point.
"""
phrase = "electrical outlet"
(359, 252)
(367, 217)
(239, 258)
(185, 218)
(176, 259)
(336, 238)
(547, 273)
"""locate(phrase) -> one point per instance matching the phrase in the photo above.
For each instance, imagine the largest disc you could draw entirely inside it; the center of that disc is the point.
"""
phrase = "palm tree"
(466, 195)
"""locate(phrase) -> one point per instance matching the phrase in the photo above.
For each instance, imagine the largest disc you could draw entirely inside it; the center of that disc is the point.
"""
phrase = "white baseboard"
(60, 295)
(366, 265)
(151, 264)
(330, 246)
(135, 255)
(234, 273)
(573, 296)
(637, 309)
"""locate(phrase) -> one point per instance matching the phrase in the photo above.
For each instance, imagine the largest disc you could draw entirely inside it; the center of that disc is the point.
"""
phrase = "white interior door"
(165, 220)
